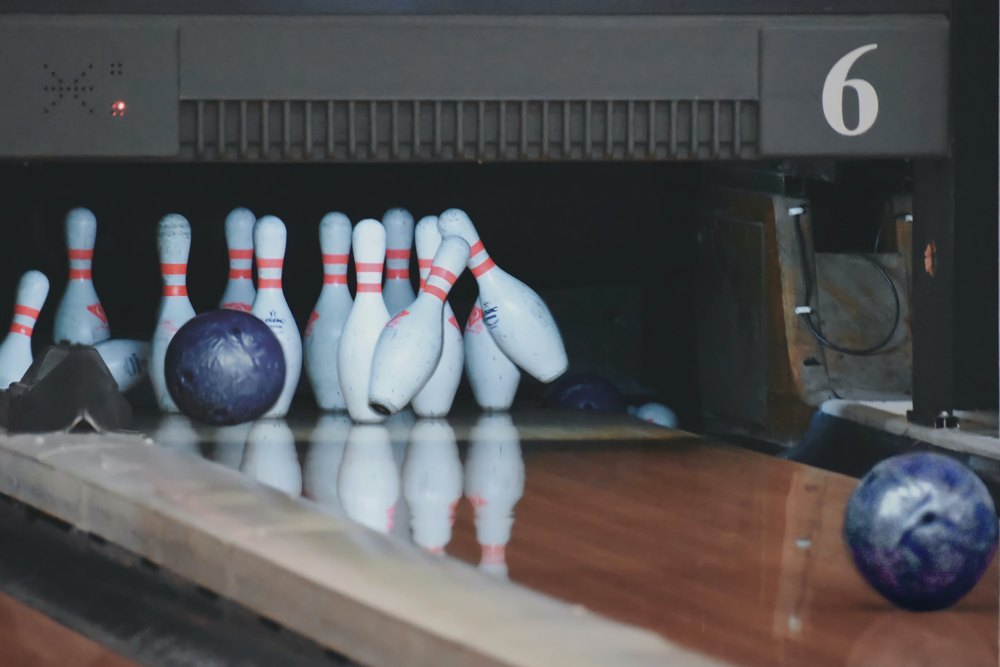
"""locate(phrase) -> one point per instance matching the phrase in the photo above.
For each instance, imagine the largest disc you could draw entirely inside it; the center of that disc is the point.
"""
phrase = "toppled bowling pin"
(367, 319)
(322, 463)
(239, 293)
(492, 375)
(368, 479)
(15, 351)
(321, 341)
(436, 396)
(128, 360)
(270, 456)
(409, 347)
(398, 290)
(173, 242)
(515, 315)
(494, 483)
(657, 413)
(269, 239)
(432, 483)
(80, 317)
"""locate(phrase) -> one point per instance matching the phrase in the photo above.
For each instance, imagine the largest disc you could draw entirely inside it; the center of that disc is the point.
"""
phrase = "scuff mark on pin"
(930, 259)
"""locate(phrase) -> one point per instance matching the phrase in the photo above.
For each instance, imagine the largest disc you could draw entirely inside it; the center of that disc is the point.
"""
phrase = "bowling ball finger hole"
(928, 517)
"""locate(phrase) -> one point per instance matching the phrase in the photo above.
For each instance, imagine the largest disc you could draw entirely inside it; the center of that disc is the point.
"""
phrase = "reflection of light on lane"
(368, 480)
(177, 432)
(270, 456)
(399, 426)
(432, 482)
(494, 483)
(322, 463)
(229, 444)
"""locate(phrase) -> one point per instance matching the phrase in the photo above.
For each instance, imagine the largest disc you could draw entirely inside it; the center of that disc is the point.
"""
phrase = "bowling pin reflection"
(368, 479)
(177, 432)
(432, 482)
(323, 458)
(399, 426)
(230, 442)
(270, 456)
(494, 483)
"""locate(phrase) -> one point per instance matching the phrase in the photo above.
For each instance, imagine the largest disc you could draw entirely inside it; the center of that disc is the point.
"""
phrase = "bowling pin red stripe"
(80, 274)
(335, 259)
(444, 273)
(175, 290)
(269, 263)
(425, 263)
(483, 267)
(21, 329)
(436, 291)
(368, 267)
(369, 287)
(26, 311)
(173, 269)
(397, 254)
(240, 274)
(240, 254)
(397, 274)
(269, 283)
(335, 279)
(81, 254)
(236, 305)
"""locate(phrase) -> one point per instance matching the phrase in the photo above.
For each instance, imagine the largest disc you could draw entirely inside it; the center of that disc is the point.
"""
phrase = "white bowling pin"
(436, 396)
(269, 238)
(239, 293)
(515, 315)
(368, 479)
(326, 323)
(494, 483)
(367, 318)
(322, 463)
(228, 443)
(178, 433)
(174, 244)
(128, 360)
(15, 351)
(492, 375)
(398, 290)
(80, 317)
(432, 482)
(657, 413)
(409, 347)
(270, 456)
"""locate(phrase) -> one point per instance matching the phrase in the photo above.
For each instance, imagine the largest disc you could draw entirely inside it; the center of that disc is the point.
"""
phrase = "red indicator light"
(118, 108)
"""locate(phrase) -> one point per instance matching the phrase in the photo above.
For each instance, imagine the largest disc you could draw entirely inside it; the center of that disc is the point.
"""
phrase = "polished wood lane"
(727, 551)
(28, 638)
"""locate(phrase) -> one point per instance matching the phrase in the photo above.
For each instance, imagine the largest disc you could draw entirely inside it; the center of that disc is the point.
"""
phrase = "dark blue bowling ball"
(224, 367)
(922, 529)
(586, 392)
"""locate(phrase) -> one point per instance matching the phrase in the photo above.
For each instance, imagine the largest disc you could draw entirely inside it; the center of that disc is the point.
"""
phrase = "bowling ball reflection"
(923, 640)
(224, 367)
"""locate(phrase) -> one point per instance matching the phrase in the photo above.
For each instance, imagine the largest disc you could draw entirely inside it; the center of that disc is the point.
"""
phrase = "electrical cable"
(806, 312)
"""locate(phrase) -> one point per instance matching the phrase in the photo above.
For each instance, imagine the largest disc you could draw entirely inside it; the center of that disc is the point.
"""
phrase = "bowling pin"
(322, 463)
(174, 244)
(368, 479)
(657, 413)
(239, 293)
(366, 320)
(432, 482)
(128, 360)
(492, 375)
(228, 444)
(326, 323)
(436, 396)
(178, 433)
(270, 456)
(398, 290)
(15, 351)
(494, 483)
(515, 315)
(409, 347)
(80, 317)
(269, 238)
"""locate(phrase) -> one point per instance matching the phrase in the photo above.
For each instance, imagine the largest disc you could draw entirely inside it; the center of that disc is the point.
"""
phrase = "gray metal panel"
(61, 76)
(451, 58)
(908, 71)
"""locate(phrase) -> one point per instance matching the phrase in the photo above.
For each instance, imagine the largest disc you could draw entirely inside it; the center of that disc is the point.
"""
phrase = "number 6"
(833, 95)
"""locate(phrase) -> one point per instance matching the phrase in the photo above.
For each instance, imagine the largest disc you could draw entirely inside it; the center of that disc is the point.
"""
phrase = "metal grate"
(366, 130)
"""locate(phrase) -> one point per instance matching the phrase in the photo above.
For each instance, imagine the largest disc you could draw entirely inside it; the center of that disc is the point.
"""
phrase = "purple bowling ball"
(586, 392)
(922, 530)
(224, 367)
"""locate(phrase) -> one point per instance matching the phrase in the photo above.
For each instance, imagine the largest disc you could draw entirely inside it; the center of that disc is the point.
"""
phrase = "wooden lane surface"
(729, 552)
(28, 638)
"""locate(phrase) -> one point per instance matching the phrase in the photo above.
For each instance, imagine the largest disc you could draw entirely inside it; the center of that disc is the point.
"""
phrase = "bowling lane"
(730, 552)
